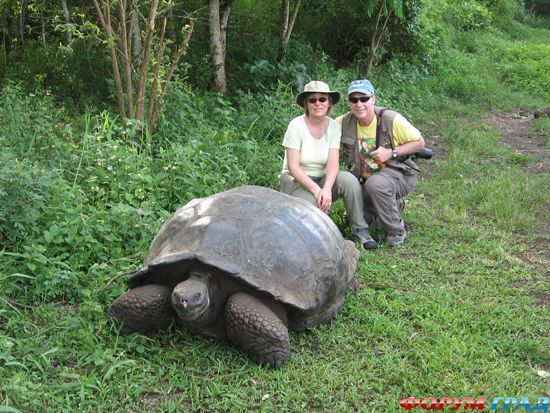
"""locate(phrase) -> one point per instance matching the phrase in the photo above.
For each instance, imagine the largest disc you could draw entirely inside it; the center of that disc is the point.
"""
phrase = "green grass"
(451, 313)
(542, 125)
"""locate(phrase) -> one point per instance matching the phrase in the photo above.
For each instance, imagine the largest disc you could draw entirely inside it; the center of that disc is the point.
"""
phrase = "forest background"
(115, 113)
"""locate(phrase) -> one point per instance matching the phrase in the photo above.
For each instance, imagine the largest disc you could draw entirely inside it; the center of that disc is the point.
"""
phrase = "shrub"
(526, 66)
(78, 75)
(31, 124)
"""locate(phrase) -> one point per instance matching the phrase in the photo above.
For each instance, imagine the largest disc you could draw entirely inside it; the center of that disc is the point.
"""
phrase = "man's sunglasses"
(322, 99)
(362, 99)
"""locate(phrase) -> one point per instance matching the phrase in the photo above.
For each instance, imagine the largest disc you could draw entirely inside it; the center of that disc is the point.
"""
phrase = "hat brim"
(334, 96)
(361, 90)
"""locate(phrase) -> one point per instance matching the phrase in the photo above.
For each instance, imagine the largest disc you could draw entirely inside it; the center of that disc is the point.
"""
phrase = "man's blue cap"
(361, 86)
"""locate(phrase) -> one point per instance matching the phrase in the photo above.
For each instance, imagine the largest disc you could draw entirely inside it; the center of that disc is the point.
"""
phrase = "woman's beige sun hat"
(316, 86)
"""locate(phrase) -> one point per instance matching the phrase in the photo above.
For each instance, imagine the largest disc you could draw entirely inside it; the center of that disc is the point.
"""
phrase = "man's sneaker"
(362, 235)
(396, 240)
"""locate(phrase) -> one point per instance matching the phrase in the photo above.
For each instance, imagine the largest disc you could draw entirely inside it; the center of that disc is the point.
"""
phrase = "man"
(377, 144)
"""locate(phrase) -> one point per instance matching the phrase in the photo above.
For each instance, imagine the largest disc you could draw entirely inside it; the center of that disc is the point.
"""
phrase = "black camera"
(424, 153)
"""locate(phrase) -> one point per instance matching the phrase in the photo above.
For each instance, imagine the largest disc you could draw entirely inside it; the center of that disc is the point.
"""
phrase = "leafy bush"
(79, 75)
(32, 123)
(526, 66)
(440, 18)
(85, 193)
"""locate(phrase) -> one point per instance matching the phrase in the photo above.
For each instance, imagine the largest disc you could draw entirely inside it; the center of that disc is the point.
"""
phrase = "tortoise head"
(191, 298)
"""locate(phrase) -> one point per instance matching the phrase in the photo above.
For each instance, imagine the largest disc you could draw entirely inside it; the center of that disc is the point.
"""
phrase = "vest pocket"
(348, 145)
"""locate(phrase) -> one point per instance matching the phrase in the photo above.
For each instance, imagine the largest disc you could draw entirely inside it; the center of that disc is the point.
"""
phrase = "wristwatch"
(394, 153)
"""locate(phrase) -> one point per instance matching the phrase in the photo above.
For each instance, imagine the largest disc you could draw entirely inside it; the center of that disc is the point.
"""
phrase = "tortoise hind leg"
(255, 328)
(143, 309)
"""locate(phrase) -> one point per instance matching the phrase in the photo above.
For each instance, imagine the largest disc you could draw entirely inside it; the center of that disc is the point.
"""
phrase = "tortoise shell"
(271, 242)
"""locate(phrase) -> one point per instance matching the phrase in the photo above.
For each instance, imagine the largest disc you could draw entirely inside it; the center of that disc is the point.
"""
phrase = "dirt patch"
(517, 132)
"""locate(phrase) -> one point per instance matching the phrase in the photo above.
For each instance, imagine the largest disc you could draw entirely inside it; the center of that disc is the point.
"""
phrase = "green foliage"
(27, 122)
(100, 194)
(344, 29)
(477, 14)
(463, 81)
(526, 66)
(79, 75)
(542, 125)
(405, 34)
(539, 6)
(503, 12)
(263, 75)
(470, 15)
(440, 19)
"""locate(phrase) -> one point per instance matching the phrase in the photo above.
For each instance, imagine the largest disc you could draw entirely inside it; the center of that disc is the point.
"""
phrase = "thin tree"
(127, 53)
(67, 19)
(218, 18)
(287, 24)
(21, 21)
(384, 12)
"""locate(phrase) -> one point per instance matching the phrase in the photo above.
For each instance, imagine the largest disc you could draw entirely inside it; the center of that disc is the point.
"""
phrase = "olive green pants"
(384, 199)
(346, 187)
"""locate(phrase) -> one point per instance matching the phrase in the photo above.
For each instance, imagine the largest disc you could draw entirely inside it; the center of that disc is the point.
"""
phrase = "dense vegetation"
(452, 313)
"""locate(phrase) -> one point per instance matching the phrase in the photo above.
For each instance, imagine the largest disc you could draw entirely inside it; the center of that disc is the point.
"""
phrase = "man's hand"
(381, 154)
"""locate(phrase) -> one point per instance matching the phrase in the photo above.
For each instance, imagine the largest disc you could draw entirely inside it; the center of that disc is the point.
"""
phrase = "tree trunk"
(224, 18)
(287, 26)
(43, 30)
(104, 15)
(218, 25)
(135, 32)
(6, 38)
(156, 100)
(171, 27)
(135, 95)
(125, 54)
(22, 18)
(376, 36)
(143, 70)
(67, 17)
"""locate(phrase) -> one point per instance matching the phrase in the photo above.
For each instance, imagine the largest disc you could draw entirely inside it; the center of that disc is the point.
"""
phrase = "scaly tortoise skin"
(244, 265)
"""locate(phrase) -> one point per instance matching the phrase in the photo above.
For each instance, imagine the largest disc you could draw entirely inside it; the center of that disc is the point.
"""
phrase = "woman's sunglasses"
(322, 99)
(362, 99)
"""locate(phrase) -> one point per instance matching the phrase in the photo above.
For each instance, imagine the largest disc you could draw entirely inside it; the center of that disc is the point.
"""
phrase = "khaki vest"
(350, 148)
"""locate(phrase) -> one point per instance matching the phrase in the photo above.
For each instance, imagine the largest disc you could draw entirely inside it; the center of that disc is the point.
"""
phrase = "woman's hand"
(324, 199)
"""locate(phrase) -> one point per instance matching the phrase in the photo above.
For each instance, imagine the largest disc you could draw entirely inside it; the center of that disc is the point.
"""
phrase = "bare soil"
(517, 132)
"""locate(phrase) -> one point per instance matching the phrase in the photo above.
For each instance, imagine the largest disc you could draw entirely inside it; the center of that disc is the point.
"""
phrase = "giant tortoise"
(244, 265)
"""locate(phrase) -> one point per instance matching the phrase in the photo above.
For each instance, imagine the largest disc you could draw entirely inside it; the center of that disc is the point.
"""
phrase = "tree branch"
(153, 116)
(145, 62)
(67, 18)
(156, 71)
(292, 20)
(123, 42)
(105, 19)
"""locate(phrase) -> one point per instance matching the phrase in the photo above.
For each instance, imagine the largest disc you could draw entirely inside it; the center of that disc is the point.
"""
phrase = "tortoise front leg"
(143, 309)
(255, 328)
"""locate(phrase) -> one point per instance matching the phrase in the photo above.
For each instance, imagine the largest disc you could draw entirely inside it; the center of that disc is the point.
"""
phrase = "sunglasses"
(362, 99)
(322, 99)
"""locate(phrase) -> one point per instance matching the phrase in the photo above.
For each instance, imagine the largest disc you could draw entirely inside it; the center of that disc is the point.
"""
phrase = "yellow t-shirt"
(403, 132)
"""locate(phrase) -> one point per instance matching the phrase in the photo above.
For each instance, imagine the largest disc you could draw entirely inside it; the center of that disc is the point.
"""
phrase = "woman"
(311, 169)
